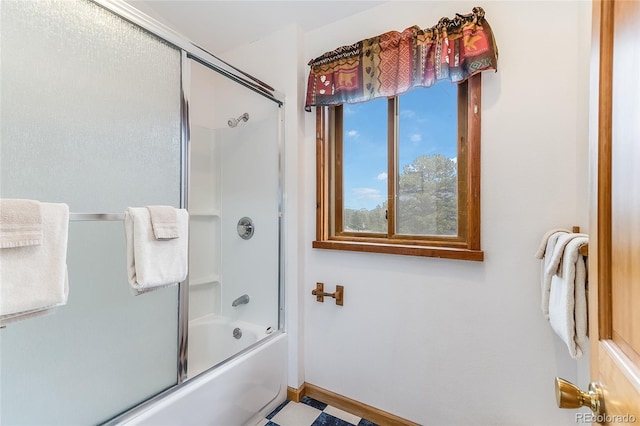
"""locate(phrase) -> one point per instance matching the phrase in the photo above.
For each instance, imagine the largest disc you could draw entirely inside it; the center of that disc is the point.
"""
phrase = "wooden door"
(614, 252)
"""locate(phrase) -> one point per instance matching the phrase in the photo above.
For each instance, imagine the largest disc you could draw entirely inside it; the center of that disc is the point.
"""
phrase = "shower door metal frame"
(185, 137)
(195, 52)
(190, 51)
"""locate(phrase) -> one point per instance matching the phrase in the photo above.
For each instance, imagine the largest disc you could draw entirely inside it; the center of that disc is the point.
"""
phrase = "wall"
(440, 341)
(452, 342)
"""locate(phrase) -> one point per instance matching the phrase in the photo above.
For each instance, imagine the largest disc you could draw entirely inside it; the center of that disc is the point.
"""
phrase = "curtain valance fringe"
(395, 62)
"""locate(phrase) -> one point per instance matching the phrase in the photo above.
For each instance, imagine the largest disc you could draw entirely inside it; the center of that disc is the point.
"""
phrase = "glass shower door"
(90, 116)
(234, 204)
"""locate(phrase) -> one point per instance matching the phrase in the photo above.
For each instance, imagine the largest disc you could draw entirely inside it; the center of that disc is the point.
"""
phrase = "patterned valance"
(395, 62)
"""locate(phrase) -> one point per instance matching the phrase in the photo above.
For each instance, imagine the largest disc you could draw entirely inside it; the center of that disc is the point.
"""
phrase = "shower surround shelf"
(212, 279)
(204, 214)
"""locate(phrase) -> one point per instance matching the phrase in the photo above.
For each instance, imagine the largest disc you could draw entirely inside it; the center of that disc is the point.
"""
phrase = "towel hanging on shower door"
(153, 263)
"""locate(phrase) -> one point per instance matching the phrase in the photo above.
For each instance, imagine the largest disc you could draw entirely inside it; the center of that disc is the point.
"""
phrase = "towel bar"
(584, 250)
(96, 216)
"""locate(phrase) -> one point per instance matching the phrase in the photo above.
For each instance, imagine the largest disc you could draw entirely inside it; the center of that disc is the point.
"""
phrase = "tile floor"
(311, 412)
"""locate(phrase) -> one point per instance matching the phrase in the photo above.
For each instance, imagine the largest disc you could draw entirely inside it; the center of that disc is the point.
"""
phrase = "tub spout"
(242, 300)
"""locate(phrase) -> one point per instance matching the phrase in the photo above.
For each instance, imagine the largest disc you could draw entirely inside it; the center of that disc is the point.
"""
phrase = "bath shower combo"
(165, 352)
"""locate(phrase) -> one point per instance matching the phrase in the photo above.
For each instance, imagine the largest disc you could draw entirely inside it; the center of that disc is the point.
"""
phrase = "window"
(402, 175)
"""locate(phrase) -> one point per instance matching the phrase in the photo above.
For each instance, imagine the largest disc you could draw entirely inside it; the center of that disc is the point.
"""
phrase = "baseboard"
(294, 394)
(352, 406)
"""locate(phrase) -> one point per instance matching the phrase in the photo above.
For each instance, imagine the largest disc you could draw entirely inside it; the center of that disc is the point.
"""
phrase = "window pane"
(427, 201)
(365, 167)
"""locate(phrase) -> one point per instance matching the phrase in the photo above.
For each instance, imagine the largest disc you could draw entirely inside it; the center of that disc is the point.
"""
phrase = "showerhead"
(233, 122)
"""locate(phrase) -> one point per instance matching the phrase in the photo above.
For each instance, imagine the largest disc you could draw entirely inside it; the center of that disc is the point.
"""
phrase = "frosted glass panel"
(102, 353)
(90, 116)
(90, 108)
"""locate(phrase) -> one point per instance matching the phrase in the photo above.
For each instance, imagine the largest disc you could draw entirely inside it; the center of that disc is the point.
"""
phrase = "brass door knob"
(569, 395)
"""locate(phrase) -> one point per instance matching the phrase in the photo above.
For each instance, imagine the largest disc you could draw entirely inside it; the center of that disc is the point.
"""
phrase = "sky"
(428, 125)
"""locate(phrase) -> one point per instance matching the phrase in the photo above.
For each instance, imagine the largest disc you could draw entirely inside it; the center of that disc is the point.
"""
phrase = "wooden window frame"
(464, 246)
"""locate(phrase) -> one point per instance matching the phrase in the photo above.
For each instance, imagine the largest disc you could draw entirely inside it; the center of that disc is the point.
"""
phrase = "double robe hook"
(320, 294)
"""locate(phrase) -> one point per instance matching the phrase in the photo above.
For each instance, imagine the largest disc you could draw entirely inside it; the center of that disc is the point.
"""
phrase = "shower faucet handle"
(245, 228)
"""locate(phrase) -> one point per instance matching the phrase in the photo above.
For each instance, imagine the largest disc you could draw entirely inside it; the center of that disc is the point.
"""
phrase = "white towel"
(554, 264)
(164, 222)
(33, 278)
(567, 300)
(20, 223)
(153, 263)
(38, 312)
(545, 252)
(542, 250)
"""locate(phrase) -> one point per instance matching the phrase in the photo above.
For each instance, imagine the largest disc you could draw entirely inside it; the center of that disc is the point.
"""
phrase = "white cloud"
(407, 113)
(348, 110)
(366, 198)
(353, 134)
(382, 176)
(367, 193)
(416, 137)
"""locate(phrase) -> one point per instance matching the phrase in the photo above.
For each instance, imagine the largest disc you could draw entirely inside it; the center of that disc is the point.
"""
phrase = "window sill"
(402, 249)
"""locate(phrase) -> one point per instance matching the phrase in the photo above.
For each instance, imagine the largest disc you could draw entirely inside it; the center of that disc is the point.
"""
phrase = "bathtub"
(239, 391)
(213, 338)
